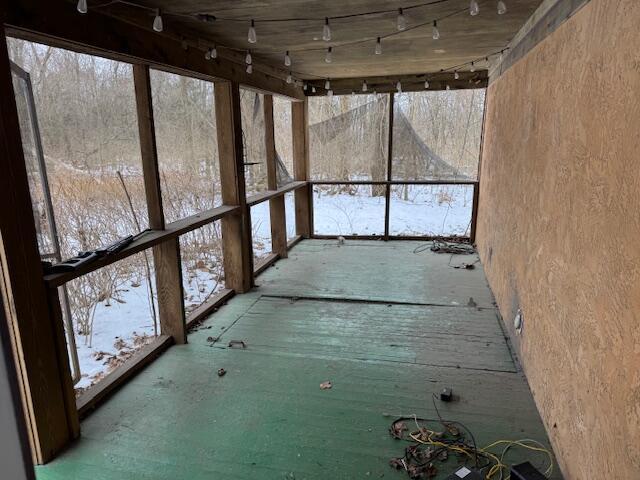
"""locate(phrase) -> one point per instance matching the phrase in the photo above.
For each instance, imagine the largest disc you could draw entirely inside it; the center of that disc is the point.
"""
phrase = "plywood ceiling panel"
(463, 37)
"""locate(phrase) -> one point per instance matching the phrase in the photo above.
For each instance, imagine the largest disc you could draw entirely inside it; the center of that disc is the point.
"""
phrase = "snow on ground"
(124, 320)
(124, 325)
(427, 210)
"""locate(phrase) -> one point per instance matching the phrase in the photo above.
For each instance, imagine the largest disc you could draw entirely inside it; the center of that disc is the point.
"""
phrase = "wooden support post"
(304, 195)
(387, 199)
(15, 455)
(166, 255)
(41, 358)
(476, 186)
(276, 205)
(236, 229)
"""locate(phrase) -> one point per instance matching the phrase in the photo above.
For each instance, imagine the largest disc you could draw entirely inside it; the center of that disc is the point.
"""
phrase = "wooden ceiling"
(463, 37)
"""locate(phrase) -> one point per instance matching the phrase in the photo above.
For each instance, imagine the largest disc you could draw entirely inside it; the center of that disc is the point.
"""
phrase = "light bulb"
(436, 32)
(157, 22)
(426, 84)
(313, 89)
(289, 78)
(305, 86)
(207, 56)
(82, 6)
(473, 68)
(248, 59)
(330, 93)
(251, 36)
(364, 85)
(456, 75)
(326, 30)
(328, 57)
(214, 53)
(249, 68)
(399, 87)
(287, 59)
(401, 21)
(474, 8)
(502, 8)
(378, 46)
(327, 84)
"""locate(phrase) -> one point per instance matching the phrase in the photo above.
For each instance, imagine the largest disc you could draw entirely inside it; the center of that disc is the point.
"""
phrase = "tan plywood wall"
(559, 231)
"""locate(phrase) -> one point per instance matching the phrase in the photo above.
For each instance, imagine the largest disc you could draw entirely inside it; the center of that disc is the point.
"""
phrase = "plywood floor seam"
(326, 313)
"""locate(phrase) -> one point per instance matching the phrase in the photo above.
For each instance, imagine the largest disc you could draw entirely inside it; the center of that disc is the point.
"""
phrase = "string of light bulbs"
(398, 85)
(252, 38)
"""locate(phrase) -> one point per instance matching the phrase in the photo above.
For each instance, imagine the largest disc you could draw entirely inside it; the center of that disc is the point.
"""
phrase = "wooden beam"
(43, 380)
(276, 204)
(59, 24)
(303, 196)
(15, 455)
(166, 255)
(476, 186)
(269, 194)
(410, 83)
(236, 229)
(55, 307)
(145, 241)
(387, 193)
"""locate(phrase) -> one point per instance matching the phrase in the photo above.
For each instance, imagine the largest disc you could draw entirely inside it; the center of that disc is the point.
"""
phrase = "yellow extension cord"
(498, 465)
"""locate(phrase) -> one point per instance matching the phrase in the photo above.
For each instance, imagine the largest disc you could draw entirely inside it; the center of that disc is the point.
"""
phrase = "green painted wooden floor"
(387, 326)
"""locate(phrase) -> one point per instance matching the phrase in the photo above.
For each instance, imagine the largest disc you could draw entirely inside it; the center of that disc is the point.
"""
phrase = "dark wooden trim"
(14, 435)
(294, 241)
(392, 182)
(166, 255)
(476, 188)
(201, 312)
(270, 194)
(60, 340)
(236, 230)
(474, 213)
(265, 263)
(32, 323)
(410, 83)
(147, 240)
(57, 23)
(387, 192)
(92, 397)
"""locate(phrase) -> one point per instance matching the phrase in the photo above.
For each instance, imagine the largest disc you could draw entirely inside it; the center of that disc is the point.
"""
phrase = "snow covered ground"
(121, 327)
(428, 210)
(125, 325)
